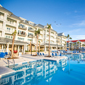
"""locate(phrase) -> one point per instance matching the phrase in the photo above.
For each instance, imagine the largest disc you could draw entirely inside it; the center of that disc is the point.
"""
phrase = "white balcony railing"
(12, 24)
(23, 27)
(1, 18)
(9, 31)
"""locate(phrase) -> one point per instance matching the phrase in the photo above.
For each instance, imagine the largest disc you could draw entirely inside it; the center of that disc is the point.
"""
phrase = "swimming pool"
(47, 72)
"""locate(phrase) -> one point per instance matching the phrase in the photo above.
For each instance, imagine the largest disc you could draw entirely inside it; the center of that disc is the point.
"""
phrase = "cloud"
(73, 31)
(78, 37)
(82, 23)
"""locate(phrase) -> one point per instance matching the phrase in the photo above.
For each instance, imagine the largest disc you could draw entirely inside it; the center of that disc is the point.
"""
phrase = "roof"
(83, 40)
(60, 34)
(14, 16)
(39, 25)
(2, 8)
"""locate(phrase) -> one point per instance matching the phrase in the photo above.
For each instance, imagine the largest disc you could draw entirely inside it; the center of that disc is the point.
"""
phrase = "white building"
(26, 33)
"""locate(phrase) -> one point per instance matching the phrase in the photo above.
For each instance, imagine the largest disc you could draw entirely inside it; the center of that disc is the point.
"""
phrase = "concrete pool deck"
(24, 58)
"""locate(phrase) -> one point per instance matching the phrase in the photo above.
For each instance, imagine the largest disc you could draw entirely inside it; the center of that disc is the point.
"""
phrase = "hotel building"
(76, 44)
(26, 34)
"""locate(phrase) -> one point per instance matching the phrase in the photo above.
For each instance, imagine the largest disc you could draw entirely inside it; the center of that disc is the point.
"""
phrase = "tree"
(68, 36)
(78, 44)
(74, 45)
(30, 45)
(37, 32)
(13, 34)
(49, 27)
(39, 46)
(65, 45)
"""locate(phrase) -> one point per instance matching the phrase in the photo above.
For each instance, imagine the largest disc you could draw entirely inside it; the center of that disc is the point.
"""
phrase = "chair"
(6, 53)
(37, 53)
(60, 54)
(74, 51)
(52, 54)
(40, 54)
(55, 54)
(2, 55)
(77, 51)
(43, 54)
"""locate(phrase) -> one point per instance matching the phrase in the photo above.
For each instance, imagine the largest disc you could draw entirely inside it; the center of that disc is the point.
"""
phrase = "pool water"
(47, 72)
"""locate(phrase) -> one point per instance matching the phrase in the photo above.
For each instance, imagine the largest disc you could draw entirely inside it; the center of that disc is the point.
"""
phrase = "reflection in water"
(33, 72)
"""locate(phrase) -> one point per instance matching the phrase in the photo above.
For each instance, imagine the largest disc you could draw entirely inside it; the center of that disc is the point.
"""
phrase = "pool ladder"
(13, 62)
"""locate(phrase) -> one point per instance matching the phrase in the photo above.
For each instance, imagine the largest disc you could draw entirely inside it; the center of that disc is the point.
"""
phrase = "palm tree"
(68, 36)
(65, 45)
(74, 45)
(13, 34)
(37, 32)
(30, 45)
(49, 27)
(39, 46)
(78, 44)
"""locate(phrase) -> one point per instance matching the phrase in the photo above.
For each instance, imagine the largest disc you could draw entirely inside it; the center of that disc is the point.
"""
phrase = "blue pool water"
(47, 72)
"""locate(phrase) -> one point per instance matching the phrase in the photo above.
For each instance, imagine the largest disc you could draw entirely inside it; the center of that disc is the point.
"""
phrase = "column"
(4, 24)
(45, 48)
(24, 48)
(56, 48)
(18, 48)
(2, 48)
(8, 47)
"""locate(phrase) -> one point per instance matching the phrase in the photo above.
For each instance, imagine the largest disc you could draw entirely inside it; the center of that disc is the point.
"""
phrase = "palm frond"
(14, 33)
(49, 26)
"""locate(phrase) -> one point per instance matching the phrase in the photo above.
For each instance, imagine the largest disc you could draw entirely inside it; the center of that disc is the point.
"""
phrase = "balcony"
(22, 33)
(11, 24)
(41, 37)
(31, 29)
(9, 31)
(1, 18)
(30, 35)
(1, 28)
(22, 27)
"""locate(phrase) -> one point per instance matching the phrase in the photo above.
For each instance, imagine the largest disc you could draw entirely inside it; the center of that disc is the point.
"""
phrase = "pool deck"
(24, 58)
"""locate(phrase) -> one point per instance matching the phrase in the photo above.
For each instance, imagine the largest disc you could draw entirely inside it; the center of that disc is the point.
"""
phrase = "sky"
(66, 16)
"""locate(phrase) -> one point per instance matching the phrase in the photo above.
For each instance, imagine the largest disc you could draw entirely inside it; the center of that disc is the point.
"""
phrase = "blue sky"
(66, 16)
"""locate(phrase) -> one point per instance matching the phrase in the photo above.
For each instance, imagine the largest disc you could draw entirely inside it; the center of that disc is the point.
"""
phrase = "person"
(10, 53)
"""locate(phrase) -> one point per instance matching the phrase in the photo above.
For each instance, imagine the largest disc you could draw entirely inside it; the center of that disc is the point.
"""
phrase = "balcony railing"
(9, 31)
(12, 24)
(31, 29)
(1, 18)
(30, 35)
(22, 34)
(22, 27)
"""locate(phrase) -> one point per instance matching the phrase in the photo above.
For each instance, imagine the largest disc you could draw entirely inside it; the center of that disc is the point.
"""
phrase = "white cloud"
(73, 31)
(82, 23)
(78, 37)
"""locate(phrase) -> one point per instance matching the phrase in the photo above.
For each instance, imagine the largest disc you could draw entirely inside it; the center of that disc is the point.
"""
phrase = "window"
(19, 38)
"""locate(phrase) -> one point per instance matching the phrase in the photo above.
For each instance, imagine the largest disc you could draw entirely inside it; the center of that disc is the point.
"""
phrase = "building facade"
(76, 44)
(26, 33)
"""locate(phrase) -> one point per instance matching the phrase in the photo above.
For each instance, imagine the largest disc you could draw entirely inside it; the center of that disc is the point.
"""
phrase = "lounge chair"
(60, 54)
(40, 54)
(2, 55)
(77, 51)
(43, 54)
(55, 54)
(74, 51)
(52, 54)
(37, 53)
